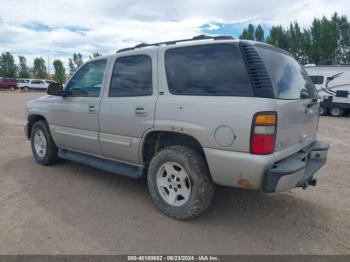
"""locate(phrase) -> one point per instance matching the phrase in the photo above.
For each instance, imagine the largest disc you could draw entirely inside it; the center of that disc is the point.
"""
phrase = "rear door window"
(207, 70)
(132, 76)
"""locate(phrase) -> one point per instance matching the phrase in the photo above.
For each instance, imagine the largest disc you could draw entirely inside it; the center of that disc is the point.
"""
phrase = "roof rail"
(195, 38)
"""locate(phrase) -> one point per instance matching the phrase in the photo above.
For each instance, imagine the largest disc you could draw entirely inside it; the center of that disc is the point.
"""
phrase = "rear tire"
(179, 182)
(43, 147)
(336, 111)
(13, 88)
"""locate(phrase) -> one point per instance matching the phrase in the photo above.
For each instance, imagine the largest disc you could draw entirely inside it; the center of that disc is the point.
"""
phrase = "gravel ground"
(73, 209)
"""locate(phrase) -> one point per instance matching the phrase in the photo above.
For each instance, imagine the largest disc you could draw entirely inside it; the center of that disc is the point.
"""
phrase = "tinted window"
(88, 80)
(132, 76)
(317, 80)
(37, 82)
(288, 77)
(209, 70)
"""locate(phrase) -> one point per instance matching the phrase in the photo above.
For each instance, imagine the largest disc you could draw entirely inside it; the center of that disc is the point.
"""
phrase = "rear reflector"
(263, 134)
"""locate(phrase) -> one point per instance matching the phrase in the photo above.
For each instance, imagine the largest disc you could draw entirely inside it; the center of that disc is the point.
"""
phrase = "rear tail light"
(263, 134)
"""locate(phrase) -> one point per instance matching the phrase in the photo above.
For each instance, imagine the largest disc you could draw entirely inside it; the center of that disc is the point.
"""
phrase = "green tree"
(23, 71)
(343, 39)
(71, 66)
(75, 62)
(278, 37)
(96, 54)
(248, 33)
(324, 40)
(60, 72)
(299, 42)
(39, 68)
(78, 60)
(305, 47)
(259, 34)
(7, 65)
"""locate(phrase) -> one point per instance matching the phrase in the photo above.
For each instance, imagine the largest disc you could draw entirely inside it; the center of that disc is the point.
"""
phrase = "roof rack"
(195, 38)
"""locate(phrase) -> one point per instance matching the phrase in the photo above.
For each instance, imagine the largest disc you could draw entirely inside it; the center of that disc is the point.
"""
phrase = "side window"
(207, 70)
(88, 80)
(37, 82)
(132, 76)
(317, 80)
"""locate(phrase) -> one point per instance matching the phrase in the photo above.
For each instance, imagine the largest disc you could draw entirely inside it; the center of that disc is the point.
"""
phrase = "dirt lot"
(73, 209)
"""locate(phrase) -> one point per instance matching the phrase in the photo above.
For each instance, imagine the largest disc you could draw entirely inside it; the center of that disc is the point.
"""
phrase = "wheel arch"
(31, 120)
(155, 140)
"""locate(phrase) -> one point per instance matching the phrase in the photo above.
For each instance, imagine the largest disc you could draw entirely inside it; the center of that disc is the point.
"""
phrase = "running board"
(101, 163)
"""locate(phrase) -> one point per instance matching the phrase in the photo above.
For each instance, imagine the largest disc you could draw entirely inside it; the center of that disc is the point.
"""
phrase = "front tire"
(26, 89)
(179, 182)
(43, 147)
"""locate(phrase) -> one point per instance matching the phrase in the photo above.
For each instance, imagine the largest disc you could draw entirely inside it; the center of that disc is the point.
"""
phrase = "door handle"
(140, 111)
(92, 109)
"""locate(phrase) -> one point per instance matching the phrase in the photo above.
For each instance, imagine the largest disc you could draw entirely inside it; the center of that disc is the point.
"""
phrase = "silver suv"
(187, 114)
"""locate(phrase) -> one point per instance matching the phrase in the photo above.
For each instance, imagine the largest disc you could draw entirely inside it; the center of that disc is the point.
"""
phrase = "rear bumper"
(296, 170)
(280, 171)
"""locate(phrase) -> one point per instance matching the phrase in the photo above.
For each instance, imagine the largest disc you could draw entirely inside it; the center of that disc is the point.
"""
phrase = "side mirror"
(55, 89)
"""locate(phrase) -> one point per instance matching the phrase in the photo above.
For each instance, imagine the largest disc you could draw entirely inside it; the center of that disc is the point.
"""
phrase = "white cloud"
(116, 24)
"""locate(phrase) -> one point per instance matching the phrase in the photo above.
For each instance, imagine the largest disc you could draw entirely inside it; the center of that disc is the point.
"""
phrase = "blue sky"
(232, 29)
(57, 29)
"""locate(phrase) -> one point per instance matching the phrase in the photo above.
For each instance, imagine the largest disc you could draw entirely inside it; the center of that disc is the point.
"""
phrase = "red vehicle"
(8, 83)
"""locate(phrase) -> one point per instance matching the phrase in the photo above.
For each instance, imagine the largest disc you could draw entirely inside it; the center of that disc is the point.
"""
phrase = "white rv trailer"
(333, 85)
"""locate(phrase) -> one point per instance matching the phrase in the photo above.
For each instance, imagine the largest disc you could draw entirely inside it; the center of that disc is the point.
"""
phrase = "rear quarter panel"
(203, 118)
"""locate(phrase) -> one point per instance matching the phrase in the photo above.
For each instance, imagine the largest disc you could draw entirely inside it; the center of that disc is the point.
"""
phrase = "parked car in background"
(22, 83)
(8, 83)
(50, 81)
(37, 84)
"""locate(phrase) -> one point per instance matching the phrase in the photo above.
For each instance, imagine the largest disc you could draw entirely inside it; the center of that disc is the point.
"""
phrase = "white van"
(37, 84)
(333, 85)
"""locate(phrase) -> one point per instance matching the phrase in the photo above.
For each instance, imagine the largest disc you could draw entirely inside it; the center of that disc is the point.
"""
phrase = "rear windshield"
(288, 77)
(207, 70)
